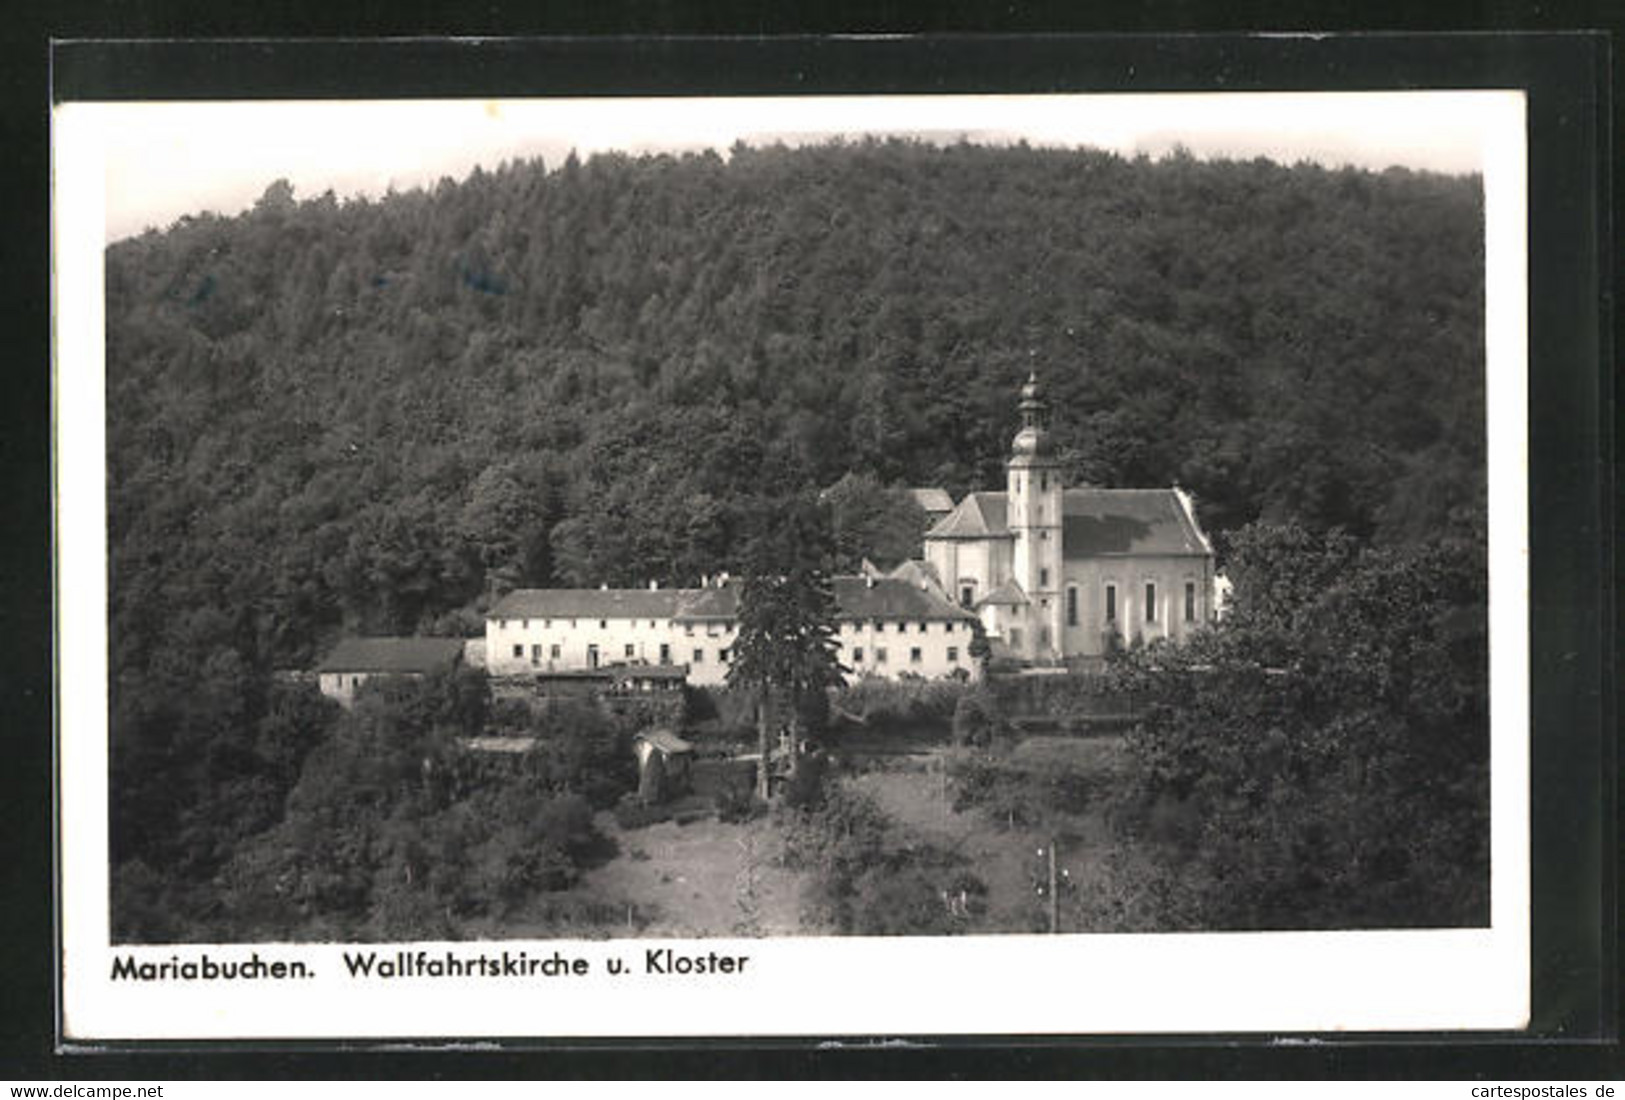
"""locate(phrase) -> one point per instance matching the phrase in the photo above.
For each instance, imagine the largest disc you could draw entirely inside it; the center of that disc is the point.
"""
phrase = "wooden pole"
(1054, 899)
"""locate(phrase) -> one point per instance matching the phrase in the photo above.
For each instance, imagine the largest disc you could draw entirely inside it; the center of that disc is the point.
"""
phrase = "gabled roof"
(860, 597)
(708, 604)
(916, 573)
(932, 501)
(1094, 522)
(1127, 521)
(1008, 594)
(979, 516)
(393, 655)
(587, 603)
(889, 598)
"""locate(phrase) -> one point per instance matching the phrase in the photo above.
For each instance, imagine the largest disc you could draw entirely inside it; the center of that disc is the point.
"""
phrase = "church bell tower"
(1034, 496)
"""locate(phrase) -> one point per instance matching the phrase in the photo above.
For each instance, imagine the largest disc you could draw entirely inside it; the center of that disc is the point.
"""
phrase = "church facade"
(1056, 573)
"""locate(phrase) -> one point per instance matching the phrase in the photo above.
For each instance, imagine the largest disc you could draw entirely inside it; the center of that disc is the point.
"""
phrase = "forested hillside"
(330, 416)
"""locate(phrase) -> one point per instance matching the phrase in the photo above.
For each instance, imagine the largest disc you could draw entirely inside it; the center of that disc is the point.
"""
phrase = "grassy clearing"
(706, 878)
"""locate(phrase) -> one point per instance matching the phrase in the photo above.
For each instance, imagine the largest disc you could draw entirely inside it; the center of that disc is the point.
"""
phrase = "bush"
(735, 805)
(632, 813)
(976, 721)
(891, 704)
(805, 788)
(916, 899)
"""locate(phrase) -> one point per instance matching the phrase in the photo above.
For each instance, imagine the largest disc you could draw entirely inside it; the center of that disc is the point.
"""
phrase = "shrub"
(916, 899)
(805, 788)
(632, 813)
(735, 805)
(975, 720)
(890, 704)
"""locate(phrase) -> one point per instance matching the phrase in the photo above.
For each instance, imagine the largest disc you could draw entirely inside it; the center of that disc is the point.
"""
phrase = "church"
(1057, 573)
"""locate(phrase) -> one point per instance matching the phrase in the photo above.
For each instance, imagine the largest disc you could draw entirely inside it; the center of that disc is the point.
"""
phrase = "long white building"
(886, 626)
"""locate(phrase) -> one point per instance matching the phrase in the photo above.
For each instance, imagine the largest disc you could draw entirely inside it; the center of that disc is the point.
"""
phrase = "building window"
(699, 656)
(688, 630)
(630, 650)
(536, 654)
(1150, 602)
(1015, 637)
(547, 624)
(665, 653)
(1043, 535)
(1043, 484)
(722, 655)
(555, 652)
(519, 651)
(914, 655)
(1190, 601)
(1111, 603)
(524, 624)
(592, 656)
(603, 624)
(880, 655)
(948, 628)
(857, 655)
(1043, 636)
(1043, 578)
(1071, 607)
(953, 654)
(967, 595)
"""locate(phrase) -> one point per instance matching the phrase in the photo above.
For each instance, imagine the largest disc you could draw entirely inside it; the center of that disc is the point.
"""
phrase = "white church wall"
(1129, 576)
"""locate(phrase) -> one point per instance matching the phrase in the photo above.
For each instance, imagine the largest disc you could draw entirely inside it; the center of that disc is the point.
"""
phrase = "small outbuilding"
(354, 661)
(664, 763)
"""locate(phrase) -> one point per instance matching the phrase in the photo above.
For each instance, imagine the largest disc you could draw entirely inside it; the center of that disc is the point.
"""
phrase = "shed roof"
(664, 740)
(397, 655)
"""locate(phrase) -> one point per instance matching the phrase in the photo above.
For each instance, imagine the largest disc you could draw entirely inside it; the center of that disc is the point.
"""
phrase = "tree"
(785, 649)
(874, 522)
(1320, 757)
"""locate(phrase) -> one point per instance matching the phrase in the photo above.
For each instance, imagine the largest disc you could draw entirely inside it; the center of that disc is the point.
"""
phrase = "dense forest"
(331, 416)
